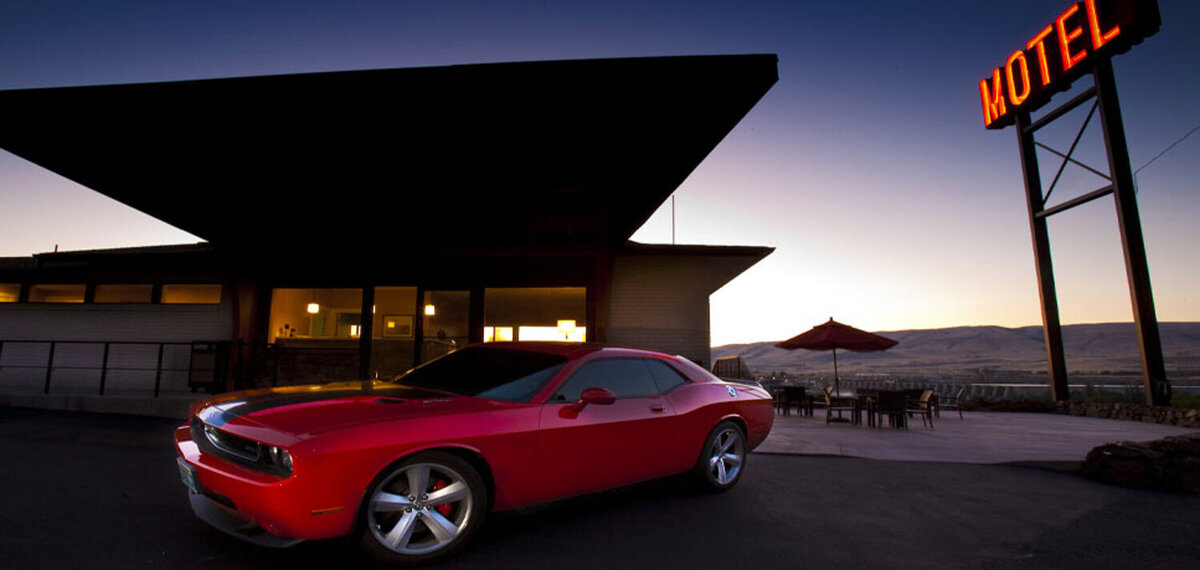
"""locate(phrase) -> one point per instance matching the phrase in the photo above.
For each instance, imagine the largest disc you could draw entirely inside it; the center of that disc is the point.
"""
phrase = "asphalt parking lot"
(102, 491)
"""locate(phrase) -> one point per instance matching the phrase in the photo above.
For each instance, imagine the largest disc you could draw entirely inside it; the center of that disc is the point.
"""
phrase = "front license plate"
(188, 474)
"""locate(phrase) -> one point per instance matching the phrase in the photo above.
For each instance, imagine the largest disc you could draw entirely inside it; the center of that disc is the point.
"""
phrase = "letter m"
(993, 98)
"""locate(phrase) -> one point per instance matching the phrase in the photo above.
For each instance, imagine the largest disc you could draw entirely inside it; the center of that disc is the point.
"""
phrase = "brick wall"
(661, 303)
(156, 323)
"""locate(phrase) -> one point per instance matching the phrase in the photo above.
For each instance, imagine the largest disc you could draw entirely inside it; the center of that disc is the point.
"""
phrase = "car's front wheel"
(722, 459)
(423, 509)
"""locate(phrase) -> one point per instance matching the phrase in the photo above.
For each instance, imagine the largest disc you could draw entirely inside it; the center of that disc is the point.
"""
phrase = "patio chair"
(866, 403)
(889, 403)
(839, 404)
(817, 400)
(952, 402)
(788, 396)
(922, 407)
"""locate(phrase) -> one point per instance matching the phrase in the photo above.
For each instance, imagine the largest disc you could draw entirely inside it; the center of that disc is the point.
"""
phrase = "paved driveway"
(102, 491)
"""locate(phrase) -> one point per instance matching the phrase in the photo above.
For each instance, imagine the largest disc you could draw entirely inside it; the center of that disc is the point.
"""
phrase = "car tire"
(722, 459)
(423, 509)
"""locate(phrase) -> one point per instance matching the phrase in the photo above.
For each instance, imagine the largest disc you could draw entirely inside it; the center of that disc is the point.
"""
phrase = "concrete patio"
(979, 437)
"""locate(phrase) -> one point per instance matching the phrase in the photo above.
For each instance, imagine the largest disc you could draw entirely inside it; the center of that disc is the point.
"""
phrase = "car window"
(665, 377)
(486, 372)
(521, 389)
(625, 377)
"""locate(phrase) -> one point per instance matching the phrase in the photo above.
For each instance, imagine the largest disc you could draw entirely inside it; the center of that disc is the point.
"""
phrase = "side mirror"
(597, 396)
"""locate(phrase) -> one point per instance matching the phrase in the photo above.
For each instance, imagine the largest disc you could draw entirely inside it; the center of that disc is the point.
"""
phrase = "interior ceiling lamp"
(313, 306)
(430, 310)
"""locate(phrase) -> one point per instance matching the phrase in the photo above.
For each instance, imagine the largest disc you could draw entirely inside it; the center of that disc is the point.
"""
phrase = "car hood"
(305, 411)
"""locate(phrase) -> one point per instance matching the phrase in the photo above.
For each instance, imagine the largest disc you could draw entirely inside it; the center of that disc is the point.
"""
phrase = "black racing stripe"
(272, 400)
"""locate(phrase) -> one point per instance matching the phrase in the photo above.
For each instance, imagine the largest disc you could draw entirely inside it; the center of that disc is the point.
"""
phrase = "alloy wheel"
(726, 455)
(421, 508)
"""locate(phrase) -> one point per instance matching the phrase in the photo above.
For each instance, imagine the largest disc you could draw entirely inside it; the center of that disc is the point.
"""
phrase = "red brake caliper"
(443, 508)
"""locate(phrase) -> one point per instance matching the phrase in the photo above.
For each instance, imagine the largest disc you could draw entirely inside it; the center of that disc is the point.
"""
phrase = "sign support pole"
(1158, 387)
(1041, 255)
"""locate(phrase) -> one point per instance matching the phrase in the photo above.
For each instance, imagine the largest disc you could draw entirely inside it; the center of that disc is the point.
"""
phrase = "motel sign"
(1080, 40)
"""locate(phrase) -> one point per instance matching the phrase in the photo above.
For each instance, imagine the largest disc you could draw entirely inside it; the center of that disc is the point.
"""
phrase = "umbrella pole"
(837, 385)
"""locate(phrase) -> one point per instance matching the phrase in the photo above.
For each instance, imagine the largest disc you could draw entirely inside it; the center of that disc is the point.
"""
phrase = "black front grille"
(239, 446)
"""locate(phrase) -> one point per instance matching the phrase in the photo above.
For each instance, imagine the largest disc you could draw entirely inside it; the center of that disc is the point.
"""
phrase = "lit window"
(57, 293)
(497, 334)
(315, 313)
(191, 294)
(123, 293)
(9, 292)
(551, 334)
(535, 313)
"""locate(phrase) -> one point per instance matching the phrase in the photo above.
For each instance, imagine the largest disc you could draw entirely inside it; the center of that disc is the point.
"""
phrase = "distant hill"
(986, 352)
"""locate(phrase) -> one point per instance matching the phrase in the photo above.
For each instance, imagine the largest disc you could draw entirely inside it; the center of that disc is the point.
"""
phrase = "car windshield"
(493, 373)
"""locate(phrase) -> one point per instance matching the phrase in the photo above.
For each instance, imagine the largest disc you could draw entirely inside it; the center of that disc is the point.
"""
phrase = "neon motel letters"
(1055, 56)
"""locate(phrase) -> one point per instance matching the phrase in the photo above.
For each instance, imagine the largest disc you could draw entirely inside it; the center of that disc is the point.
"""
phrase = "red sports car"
(412, 466)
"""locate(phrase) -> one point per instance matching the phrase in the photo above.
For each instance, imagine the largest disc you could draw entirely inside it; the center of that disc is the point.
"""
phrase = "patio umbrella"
(834, 335)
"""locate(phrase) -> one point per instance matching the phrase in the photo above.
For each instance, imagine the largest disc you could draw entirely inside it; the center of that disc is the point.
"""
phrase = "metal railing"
(213, 366)
(100, 362)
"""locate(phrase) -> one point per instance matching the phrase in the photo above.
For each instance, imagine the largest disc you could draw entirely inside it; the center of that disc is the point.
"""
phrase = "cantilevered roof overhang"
(396, 161)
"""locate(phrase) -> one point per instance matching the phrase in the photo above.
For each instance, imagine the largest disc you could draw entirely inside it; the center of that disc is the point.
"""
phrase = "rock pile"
(1133, 412)
(1168, 464)
(1189, 418)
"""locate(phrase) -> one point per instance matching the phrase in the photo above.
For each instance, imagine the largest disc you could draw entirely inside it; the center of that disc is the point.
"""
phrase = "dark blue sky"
(867, 165)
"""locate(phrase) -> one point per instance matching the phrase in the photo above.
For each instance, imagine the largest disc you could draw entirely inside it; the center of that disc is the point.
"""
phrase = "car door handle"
(657, 408)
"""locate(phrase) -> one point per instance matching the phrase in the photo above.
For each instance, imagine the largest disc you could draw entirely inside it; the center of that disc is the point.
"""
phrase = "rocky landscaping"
(1182, 417)
(1134, 412)
(1168, 464)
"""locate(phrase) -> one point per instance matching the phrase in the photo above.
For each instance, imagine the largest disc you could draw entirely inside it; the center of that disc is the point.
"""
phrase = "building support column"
(475, 318)
(366, 326)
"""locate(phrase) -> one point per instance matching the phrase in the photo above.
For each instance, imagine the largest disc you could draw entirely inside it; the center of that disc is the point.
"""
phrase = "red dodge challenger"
(410, 467)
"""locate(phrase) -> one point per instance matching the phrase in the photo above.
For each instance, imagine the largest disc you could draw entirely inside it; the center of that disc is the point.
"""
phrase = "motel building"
(359, 223)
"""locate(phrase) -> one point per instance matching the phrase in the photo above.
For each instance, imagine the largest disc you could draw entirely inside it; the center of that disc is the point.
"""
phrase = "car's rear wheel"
(722, 459)
(423, 509)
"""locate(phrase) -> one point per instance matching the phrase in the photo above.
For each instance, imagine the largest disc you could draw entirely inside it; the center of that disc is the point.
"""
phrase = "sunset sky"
(867, 165)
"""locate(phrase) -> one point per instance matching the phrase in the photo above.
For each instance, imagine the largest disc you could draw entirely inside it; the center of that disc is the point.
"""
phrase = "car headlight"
(280, 458)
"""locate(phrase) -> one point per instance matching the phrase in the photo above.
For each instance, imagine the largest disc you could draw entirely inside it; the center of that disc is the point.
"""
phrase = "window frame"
(83, 298)
(96, 289)
(162, 297)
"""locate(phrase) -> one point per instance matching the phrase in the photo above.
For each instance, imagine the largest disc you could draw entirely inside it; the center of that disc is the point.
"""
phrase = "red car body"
(342, 436)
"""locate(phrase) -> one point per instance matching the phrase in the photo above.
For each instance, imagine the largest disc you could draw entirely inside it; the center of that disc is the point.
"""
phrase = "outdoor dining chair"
(890, 404)
(841, 404)
(952, 402)
(921, 407)
(788, 396)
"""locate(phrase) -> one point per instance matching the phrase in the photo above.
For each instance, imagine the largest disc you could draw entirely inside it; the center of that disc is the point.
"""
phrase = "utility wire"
(1166, 150)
